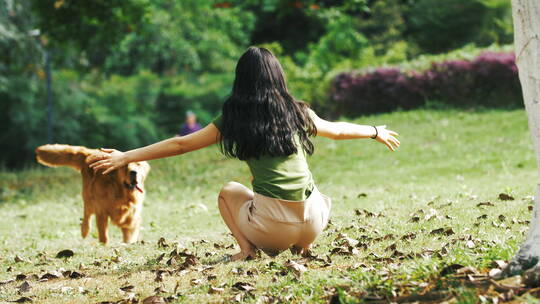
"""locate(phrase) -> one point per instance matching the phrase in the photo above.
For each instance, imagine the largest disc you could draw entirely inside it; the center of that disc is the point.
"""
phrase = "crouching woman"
(263, 125)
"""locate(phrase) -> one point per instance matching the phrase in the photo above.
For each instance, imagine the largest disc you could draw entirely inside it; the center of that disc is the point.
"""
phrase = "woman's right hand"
(387, 137)
(110, 160)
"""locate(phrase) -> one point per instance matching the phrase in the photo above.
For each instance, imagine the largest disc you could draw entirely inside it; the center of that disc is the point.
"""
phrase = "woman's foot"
(304, 252)
(241, 256)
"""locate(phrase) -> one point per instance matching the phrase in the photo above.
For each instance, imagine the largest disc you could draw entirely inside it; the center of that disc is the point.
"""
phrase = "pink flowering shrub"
(489, 80)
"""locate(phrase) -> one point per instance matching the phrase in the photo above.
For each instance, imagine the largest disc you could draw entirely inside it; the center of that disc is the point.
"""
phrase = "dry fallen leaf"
(6, 282)
(159, 290)
(23, 300)
(243, 286)
(445, 231)
(127, 288)
(20, 277)
(50, 276)
(470, 244)
(499, 264)
(214, 290)
(73, 274)
(431, 214)
(239, 297)
(160, 257)
(467, 270)
(409, 236)
(296, 268)
(506, 197)
(490, 204)
(19, 259)
(515, 282)
(159, 275)
(161, 243)
(66, 253)
(24, 287)
(450, 269)
(154, 300)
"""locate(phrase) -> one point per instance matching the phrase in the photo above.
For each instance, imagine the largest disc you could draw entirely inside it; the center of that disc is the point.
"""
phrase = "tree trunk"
(526, 14)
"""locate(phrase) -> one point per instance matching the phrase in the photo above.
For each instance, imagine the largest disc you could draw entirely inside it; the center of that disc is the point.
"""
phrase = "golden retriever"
(118, 195)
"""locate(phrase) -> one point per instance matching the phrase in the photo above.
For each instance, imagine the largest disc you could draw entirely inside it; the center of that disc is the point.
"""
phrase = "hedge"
(489, 80)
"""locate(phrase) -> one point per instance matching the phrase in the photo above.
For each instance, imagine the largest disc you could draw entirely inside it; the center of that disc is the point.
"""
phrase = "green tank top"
(282, 177)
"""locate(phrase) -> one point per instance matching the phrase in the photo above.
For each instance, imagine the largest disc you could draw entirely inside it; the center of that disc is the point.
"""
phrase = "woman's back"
(283, 177)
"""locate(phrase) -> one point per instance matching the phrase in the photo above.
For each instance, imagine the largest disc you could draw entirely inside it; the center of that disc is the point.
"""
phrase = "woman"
(263, 125)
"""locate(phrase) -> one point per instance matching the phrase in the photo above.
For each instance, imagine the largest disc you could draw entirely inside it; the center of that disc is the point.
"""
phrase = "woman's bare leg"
(231, 197)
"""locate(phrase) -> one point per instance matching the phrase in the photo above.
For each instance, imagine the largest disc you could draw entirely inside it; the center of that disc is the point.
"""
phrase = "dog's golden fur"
(118, 195)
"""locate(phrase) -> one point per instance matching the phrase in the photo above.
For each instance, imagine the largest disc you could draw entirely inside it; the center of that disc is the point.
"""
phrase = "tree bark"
(526, 14)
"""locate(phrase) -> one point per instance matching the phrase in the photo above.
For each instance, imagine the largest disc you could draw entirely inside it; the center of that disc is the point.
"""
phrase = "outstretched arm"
(173, 146)
(346, 130)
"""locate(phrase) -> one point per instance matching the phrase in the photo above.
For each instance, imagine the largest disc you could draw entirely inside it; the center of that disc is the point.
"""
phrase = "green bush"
(112, 111)
(489, 80)
(440, 26)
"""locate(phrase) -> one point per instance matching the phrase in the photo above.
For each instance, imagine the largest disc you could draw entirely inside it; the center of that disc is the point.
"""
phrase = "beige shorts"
(274, 225)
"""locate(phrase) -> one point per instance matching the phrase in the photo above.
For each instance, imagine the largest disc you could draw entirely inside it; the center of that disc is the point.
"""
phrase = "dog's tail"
(62, 155)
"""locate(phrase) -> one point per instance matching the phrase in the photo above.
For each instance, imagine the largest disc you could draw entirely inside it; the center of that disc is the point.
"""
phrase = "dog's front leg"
(102, 221)
(85, 224)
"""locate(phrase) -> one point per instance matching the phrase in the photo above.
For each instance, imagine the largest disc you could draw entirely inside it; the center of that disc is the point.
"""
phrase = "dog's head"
(133, 175)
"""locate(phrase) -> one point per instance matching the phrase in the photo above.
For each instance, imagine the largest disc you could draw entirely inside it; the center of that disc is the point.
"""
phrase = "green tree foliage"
(20, 112)
(295, 24)
(439, 26)
(89, 26)
(125, 71)
(189, 36)
(497, 26)
(384, 24)
(110, 111)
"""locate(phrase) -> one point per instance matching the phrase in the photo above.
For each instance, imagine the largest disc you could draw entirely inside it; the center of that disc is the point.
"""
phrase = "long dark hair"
(260, 117)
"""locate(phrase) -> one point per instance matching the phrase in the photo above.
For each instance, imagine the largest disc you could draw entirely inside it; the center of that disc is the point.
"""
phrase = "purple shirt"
(186, 129)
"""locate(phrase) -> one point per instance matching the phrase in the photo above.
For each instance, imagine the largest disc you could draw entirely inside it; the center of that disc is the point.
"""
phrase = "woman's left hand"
(111, 160)
(387, 137)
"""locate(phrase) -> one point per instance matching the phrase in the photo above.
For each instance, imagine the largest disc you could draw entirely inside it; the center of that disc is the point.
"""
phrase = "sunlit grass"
(448, 163)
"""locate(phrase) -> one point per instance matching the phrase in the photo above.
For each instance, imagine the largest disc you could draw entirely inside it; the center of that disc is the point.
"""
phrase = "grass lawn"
(448, 163)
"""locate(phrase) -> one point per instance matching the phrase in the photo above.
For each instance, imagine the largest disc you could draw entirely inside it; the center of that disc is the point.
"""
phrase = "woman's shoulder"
(218, 122)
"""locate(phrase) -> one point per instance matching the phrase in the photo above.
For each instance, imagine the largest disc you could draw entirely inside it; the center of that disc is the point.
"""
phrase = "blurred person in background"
(190, 125)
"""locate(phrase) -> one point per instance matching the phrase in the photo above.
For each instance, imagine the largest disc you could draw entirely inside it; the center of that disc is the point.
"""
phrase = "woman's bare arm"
(346, 130)
(173, 146)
